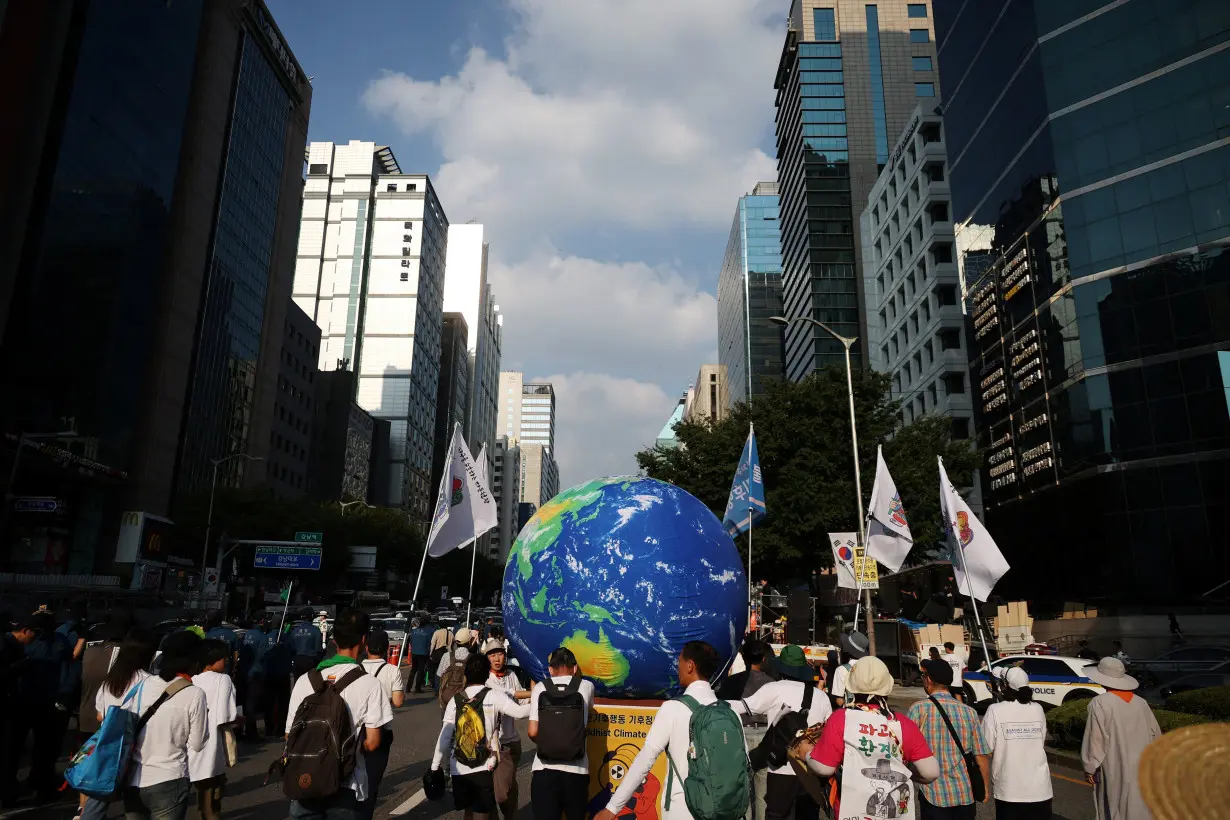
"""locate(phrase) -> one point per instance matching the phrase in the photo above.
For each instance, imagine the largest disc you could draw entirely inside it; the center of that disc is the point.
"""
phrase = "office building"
(539, 474)
(749, 293)
(915, 325)
(706, 398)
(666, 436)
(525, 511)
(527, 410)
(151, 157)
(506, 488)
(370, 272)
(290, 440)
(849, 79)
(1087, 150)
(346, 455)
(467, 292)
(452, 392)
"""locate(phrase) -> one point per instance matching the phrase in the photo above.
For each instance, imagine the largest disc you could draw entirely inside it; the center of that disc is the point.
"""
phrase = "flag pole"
(470, 596)
(750, 608)
(286, 606)
(414, 599)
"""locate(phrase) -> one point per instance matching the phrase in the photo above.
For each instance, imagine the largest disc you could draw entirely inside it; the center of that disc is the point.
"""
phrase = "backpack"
(321, 746)
(719, 781)
(561, 721)
(470, 747)
(453, 681)
(771, 752)
(100, 769)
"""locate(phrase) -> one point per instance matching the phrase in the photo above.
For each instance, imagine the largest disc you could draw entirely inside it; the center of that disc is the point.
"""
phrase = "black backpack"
(771, 753)
(321, 746)
(561, 722)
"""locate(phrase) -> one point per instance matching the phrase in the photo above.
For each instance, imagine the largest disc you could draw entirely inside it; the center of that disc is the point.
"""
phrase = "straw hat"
(869, 676)
(1183, 773)
(1111, 673)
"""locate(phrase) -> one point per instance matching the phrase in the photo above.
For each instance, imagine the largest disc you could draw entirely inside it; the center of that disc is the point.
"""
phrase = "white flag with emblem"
(465, 508)
(976, 560)
(888, 531)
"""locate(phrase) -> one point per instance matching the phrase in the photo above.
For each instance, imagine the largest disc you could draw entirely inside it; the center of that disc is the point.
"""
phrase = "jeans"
(94, 809)
(341, 806)
(162, 801)
(418, 672)
(927, 811)
(375, 762)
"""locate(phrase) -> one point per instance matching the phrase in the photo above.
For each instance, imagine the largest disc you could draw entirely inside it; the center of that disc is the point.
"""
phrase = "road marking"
(405, 808)
(1084, 783)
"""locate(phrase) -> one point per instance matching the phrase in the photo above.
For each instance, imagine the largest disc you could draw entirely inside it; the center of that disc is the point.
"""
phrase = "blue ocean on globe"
(623, 571)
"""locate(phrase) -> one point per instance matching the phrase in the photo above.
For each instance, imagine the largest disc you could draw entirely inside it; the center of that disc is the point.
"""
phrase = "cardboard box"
(1091, 613)
(1019, 611)
(1004, 616)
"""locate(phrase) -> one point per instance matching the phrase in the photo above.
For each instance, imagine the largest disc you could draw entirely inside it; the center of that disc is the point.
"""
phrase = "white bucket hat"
(1111, 673)
(1016, 677)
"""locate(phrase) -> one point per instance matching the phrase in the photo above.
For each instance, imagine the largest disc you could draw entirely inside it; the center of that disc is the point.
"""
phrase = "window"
(825, 24)
(920, 35)
(921, 63)
(412, 187)
(1046, 668)
(954, 383)
(877, 85)
(392, 186)
(917, 10)
(924, 89)
(318, 168)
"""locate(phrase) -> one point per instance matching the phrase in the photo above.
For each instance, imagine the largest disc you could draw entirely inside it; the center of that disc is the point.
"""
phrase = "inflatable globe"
(623, 571)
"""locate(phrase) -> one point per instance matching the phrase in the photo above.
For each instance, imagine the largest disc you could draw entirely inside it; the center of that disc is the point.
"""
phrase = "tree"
(803, 437)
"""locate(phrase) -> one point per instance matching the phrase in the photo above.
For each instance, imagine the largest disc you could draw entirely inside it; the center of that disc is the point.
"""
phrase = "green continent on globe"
(599, 659)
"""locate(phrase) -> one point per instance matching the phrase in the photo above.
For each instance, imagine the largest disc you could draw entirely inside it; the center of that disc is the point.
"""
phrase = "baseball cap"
(1016, 677)
(938, 671)
(463, 636)
(493, 646)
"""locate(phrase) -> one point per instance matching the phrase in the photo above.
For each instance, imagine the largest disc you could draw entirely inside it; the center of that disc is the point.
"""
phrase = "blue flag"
(746, 503)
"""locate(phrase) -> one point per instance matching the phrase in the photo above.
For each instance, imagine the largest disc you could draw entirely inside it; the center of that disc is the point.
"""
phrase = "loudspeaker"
(937, 611)
(798, 617)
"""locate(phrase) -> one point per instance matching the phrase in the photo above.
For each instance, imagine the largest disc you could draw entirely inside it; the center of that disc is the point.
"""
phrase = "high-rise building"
(666, 437)
(346, 456)
(289, 461)
(706, 399)
(850, 77)
(452, 393)
(1088, 151)
(749, 293)
(370, 272)
(527, 417)
(467, 292)
(539, 474)
(915, 326)
(506, 488)
(150, 177)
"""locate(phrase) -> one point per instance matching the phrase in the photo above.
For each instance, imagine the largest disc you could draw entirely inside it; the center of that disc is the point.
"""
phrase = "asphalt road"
(415, 728)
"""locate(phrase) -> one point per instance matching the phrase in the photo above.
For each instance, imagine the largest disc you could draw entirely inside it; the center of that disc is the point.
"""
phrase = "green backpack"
(719, 781)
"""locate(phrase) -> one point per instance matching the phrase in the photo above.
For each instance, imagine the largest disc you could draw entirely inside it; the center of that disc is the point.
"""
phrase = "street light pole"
(847, 342)
(209, 520)
(345, 504)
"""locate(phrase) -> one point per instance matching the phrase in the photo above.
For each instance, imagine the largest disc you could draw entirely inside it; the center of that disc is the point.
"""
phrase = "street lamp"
(848, 342)
(209, 521)
(345, 504)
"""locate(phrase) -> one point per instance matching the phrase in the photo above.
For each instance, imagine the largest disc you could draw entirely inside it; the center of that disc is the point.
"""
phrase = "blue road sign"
(33, 504)
(287, 558)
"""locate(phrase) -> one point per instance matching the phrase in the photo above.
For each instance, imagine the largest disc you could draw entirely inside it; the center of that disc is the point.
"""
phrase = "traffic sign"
(310, 537)
(268, 557)
(35, 504)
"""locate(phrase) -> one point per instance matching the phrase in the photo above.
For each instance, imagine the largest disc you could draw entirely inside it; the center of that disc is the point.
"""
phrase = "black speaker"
(798, 617)
(937, 611)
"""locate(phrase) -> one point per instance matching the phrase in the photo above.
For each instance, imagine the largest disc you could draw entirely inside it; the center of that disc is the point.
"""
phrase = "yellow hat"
(1183, 773)
(869, 676)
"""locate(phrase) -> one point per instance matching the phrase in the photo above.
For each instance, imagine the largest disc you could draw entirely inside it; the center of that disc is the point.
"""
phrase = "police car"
(1055, 679)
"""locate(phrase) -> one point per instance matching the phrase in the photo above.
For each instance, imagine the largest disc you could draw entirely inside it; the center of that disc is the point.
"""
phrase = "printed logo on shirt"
(1024, 731)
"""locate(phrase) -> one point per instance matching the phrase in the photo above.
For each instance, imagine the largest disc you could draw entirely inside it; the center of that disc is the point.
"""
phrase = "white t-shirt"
(495, 705)
(104, 700)
(369, 709)
(837, 685)
(510, 684)
(587, 692)
(958, 665)
(220, 697)
(387, 674)
(180, 726)
(1016, 734)
(779, 698)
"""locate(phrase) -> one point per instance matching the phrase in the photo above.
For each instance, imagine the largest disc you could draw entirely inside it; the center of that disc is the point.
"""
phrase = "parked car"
(1055, 679)
(1184, 660)
(1217, 676)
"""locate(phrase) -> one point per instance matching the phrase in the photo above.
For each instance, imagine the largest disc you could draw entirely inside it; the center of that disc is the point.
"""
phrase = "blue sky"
(602, 144)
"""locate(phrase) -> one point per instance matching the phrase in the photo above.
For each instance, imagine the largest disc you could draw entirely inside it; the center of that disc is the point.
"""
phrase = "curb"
(1065, 760)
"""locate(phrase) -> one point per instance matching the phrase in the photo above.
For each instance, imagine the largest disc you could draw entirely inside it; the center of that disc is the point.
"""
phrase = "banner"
(888, 532)
(465, 508)
(865, 570)
(977, 562)
(745, 505)
(614, 736)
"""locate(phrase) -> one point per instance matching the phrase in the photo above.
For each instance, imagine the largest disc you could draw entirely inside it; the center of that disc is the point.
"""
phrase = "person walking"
(795, 692)
(957, 662)
(17, 636)
(207, 768)
(391, 683)
(306, 644)
(1118, 728)
(473, 782)
(1015, 731)
(44, 699)
(559, 787)
(742, 684)
(216, 630)
(96, 662)
(441, 640)
(420, 653)
(951, 730)
(505, 773)
(855, 645)
(873, 775)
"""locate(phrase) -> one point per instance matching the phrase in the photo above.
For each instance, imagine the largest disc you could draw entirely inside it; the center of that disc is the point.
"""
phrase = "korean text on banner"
(745, 505)
(465, 508)
(865, 570)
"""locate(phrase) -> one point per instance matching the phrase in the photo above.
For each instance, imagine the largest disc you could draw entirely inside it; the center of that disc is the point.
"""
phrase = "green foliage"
(1213, 702)
(1066, 723)
(803, 436)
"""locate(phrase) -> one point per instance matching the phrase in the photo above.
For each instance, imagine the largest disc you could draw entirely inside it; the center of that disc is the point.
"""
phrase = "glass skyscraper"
(1089, 150)
(750, 288)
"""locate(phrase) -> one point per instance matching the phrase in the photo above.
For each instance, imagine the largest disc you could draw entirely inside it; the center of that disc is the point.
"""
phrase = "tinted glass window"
(1046, 668)
(920, 35)
(924, 89)
(921, 63)
(825, 24)
(917, 9)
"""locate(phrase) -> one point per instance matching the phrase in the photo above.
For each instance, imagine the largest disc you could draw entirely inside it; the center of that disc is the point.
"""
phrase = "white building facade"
(370, 271)
(527, 417)
(916, 327)
(506, 488)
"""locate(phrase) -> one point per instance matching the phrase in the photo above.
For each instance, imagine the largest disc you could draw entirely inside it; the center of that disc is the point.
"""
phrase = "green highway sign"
(310, 537)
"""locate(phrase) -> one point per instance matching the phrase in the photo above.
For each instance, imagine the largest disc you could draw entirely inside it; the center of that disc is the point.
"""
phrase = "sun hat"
(1016, 677)
(463, 636)
(854, 644)
(492, 645)
(792, 664)
(1183, 773)
(938, 671)
(869, 676)
(1111, 673)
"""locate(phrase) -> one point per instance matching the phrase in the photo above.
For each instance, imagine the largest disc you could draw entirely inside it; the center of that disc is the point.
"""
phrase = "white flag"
(888, 531)
(977, 561)
(465, 508)
(844, 545)
(480, 463)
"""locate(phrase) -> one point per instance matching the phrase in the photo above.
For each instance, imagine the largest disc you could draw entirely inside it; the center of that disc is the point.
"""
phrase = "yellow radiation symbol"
(616, 764)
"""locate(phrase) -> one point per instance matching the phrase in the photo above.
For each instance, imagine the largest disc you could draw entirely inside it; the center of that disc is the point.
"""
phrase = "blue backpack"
(100, 768)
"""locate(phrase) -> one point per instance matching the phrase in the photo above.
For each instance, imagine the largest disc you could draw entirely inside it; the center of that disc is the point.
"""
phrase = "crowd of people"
(821, 734)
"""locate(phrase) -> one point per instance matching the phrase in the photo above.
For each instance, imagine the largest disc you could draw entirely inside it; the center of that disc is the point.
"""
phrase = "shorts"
(474, 792)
